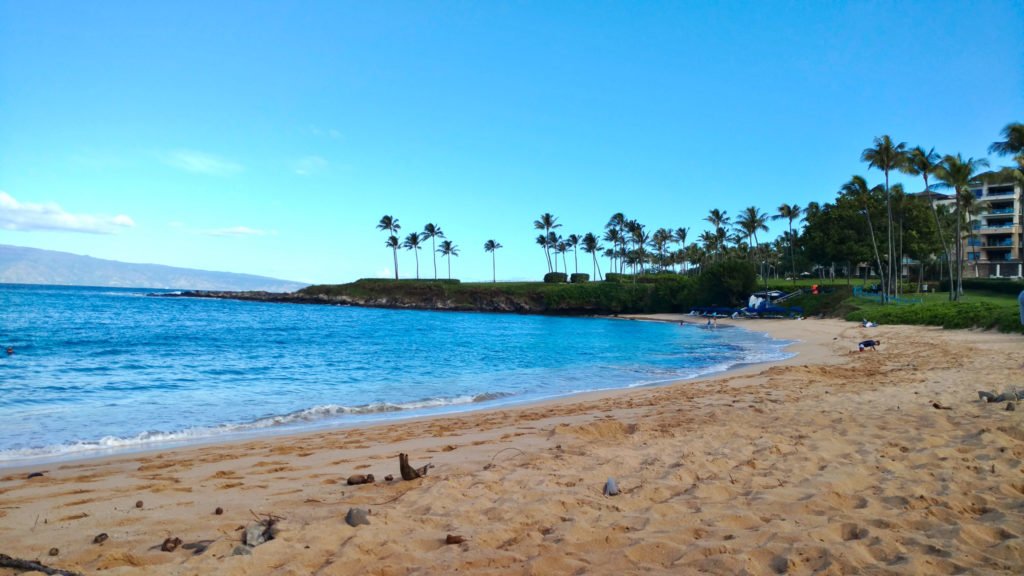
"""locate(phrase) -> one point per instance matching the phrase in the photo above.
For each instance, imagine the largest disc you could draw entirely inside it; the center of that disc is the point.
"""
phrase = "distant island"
(21, 265)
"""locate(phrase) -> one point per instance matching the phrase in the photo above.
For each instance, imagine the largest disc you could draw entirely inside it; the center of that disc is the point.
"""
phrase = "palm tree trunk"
(449, 267)
(395, 250)
(598, 266)
(576, 259)
(416, 253)
(888, 208)
(874, 245)
(433, 252)
(494, 270)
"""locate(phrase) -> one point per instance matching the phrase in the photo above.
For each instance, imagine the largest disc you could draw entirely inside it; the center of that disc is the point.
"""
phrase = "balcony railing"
(1000, 243)
(998, 211)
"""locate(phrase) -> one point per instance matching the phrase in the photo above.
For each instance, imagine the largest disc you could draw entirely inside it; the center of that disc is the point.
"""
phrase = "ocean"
(100, 371)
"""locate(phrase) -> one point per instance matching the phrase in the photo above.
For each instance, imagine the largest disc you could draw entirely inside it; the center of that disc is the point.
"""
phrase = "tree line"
(879, 224)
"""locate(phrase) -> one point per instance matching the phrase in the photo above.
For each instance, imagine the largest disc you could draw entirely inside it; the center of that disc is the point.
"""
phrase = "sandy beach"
(833, 462)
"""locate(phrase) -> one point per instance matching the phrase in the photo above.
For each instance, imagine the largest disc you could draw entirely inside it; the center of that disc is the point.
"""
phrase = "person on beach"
(868, 344)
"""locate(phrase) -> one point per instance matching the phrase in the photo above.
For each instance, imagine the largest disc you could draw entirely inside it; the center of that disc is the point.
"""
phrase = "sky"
(270, 137)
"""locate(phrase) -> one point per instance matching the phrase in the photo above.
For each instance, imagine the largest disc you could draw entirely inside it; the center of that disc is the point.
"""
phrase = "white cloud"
(26, 216)
(240, 231)
(201, 163)
(310, 165)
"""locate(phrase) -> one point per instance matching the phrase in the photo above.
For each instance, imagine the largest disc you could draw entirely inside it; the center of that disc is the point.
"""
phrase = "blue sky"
(270, 137)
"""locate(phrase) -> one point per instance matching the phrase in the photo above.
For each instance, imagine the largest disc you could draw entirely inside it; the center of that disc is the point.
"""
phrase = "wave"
(307, 416)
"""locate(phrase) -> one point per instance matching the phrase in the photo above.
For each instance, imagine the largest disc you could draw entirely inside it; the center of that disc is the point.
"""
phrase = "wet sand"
(833, 462)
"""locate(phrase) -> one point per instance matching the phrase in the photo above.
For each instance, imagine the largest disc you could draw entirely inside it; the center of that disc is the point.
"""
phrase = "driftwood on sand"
(28, 565)
(408, 472)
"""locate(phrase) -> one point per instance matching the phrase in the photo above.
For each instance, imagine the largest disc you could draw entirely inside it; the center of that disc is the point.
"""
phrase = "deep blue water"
(97, 370)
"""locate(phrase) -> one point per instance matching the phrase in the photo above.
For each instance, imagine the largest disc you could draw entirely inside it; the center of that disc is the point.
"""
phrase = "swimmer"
(10, 350)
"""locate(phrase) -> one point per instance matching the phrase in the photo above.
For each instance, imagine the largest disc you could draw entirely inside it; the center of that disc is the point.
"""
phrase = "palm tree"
(857, 189)
(592, 246)
(394, 243)
(679, 237)
(542, 241)
(751, 221)
(412, 242)
(615, 237)
(659, 241)
(790, 212)
(719, 220)
(389, 224)
(887, 157)
(921, 163)
(1014, 144)
(617, 222)
(547, 223)
(641, 238)
(448, 250)
(492, 246)
(572, 242)
(432, 231)
(956, 173)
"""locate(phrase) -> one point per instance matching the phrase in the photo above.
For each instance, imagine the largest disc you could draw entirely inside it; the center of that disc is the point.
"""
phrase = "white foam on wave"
(316, 414)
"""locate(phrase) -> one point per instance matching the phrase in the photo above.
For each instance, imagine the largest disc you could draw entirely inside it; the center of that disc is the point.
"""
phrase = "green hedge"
(579, 278)
(983, 315)
(555, 278)
(998, 285)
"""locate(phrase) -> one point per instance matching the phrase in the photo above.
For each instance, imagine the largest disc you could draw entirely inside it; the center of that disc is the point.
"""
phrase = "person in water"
(868, 344)
(10, 350)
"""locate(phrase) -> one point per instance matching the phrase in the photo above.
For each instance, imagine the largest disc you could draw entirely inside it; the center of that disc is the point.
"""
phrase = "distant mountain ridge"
(21, 265)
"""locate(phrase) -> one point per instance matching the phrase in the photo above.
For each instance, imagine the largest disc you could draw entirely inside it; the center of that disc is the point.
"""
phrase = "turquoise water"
(101, 370)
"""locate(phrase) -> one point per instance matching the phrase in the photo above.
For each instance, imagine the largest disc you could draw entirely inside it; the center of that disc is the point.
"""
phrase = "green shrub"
(579, 278)
(616, 277)
(555, 278)
(726, 283)
(984, 315)
(998, 285)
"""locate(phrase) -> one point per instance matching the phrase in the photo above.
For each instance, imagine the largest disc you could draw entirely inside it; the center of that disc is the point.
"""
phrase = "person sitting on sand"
(868, 344)
(992, 397)
(868, 323)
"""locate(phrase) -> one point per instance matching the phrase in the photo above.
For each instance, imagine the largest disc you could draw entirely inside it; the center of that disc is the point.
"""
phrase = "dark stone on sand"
(389, 478)
(138, 504)
(454, 539)
(357, 516)
(35, 475)
(218, 511)
(1010, 406)
(255, 534)
(357, 479)
(241, 551)
(100, 538)
(54, 551)
(170, 544)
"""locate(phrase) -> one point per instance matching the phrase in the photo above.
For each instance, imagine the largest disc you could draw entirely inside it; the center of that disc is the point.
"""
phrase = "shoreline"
(831, 460)
(339, 424)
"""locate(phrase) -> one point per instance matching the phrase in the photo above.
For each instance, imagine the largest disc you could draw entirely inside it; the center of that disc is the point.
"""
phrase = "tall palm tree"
(432, 231)
(448, 250)
(547, 223)
(857, 189)
(542, 241)
(790, 212)
(615, 237)
(641, 238)
(719, 220)
(592, 246)
(1014, 144)
(679, 237)
(617, 222)
(394, 243)
(752, 221)
(572, 242)
(492, 246)
(886, 156)
(659, 241)
(921, 163)
(553, 240)
(412, 242)
(390, 225)
(956, 173)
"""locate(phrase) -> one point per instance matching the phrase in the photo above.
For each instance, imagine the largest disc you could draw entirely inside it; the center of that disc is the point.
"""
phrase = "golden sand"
(833, 462)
